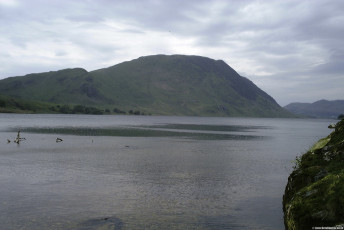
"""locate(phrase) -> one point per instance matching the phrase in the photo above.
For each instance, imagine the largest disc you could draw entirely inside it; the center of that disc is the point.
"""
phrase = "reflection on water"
(100, 223)
(128, 172)
(232, 132)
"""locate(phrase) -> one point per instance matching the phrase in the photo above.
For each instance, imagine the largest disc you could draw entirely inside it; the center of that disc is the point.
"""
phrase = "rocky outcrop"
(314, 195)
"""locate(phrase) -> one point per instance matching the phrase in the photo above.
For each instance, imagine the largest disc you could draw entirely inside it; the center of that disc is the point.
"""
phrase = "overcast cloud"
(293, 50)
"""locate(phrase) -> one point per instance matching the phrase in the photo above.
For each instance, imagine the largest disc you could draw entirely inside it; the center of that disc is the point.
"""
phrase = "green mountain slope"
(318, 109)
(159, 84)
(64, 86)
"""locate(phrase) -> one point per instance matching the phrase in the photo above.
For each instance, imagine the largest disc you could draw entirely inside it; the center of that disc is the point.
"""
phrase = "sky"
(291, 49)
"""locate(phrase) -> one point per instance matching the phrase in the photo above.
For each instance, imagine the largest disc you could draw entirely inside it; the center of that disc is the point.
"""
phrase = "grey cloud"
(133, 31)
(60, 53)
(322, 20)
(334, 67)
(85, 18)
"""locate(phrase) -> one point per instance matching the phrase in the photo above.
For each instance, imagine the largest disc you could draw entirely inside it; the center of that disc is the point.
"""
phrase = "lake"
(148, 172)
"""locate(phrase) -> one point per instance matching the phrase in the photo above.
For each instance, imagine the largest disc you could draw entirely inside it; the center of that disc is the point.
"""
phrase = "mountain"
(159, 84)
(318, 109)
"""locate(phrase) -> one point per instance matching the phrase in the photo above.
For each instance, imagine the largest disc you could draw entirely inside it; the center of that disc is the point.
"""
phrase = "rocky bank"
(314, 195)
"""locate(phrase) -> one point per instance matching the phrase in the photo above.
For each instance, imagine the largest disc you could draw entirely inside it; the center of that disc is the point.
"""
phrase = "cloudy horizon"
(293, 50)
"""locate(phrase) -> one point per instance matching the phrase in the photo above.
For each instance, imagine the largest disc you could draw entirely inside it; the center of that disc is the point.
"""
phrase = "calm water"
(147, 172)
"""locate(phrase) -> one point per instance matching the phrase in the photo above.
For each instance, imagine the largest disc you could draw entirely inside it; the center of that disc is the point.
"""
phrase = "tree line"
(76, 109)
(81, 109)
(8, 104)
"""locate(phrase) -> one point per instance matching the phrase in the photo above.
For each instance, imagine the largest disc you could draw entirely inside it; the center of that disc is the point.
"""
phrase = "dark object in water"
(18, 139)
(332, 126)
(110, 223)
(58, 140)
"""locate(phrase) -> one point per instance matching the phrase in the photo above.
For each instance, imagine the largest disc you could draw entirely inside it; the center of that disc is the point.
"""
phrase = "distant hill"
(158, 85)
(318, 109)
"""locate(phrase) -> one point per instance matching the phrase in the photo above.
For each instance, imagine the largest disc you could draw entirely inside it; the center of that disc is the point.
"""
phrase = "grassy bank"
(314, 193)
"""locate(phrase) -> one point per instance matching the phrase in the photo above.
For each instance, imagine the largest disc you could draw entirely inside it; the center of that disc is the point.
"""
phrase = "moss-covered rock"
(314, 195)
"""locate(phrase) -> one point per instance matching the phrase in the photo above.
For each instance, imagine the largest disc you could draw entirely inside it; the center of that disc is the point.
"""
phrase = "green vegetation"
(341, 116)
(78, 109)
(12, 105)
(314, 193)
(160, 85)
(116, 110)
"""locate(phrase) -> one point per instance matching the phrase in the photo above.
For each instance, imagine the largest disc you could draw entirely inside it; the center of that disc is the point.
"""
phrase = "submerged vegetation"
(314, 193)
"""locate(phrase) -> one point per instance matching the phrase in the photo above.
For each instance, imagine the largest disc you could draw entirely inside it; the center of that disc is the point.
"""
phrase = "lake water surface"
(148, 172)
